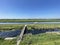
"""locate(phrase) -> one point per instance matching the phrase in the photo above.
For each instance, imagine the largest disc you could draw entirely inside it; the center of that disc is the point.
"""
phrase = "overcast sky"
(29, 9)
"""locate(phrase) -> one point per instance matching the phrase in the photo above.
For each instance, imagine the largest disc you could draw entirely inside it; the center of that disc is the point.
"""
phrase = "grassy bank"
(29, 20)
(33, 39)
(30, 26)
(10, 26)
(39, 39)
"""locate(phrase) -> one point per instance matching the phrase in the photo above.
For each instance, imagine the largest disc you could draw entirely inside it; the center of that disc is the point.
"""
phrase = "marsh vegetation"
(39, 39)
(33, 38)
(29, 20)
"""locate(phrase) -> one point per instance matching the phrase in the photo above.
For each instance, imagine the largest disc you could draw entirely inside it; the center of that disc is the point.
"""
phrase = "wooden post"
(21, 35)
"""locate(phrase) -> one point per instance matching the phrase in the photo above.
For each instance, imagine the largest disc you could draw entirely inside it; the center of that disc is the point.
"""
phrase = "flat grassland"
(39, 39)
(32, 39)
(30, 26)
(29, 20)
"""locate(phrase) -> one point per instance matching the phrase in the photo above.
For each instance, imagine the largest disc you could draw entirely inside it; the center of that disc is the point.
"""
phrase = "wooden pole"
(21, 35)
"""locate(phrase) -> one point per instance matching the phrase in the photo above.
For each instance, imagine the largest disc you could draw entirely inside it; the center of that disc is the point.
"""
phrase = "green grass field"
(29, 20)
(39, 39)
(29, 39)
(30, 26)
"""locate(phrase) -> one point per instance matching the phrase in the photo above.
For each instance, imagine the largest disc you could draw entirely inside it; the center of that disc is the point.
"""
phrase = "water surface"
(30, 23)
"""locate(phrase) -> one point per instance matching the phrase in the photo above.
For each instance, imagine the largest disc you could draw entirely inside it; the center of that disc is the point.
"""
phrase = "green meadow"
(29, 26)
(39, 39)
(29, 20)
(30, 39)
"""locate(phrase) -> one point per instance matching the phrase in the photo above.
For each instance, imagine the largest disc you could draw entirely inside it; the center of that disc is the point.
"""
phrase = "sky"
(19, 9)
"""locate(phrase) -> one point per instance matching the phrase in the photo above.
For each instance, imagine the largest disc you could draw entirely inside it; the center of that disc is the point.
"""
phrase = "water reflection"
(29, 22)
(36, 31)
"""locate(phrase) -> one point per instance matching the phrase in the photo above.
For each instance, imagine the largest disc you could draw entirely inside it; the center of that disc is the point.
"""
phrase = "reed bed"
(29, 26)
